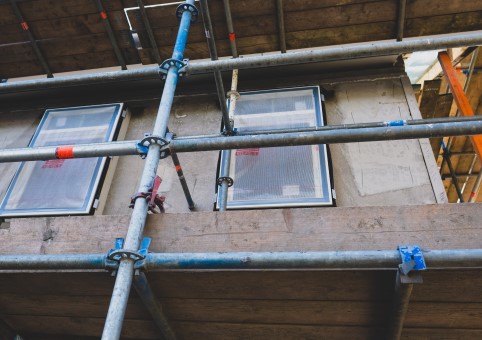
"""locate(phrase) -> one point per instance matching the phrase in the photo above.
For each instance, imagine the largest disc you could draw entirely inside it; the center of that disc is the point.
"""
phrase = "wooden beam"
(305, 229)
(459, 96)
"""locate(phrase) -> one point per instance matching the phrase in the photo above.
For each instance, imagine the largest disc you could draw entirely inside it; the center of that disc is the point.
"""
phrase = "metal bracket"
(168, 63)
(227, 179)
(412, 261)
(114, 256)
(187, 7)
(230, 133)
(148, 140)
(153, 199)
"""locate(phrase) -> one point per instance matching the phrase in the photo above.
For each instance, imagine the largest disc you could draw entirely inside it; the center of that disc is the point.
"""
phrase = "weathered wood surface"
(308, 229)
(251, 304)
(308, 24)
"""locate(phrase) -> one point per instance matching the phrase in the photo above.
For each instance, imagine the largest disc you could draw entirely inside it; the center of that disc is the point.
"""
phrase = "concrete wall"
(375, 173)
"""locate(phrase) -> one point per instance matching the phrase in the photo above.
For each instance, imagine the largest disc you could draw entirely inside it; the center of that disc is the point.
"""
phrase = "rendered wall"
(374, 173)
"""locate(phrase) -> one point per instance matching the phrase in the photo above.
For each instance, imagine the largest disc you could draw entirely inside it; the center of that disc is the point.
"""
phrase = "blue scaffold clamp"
(180, 65)
(412, 260)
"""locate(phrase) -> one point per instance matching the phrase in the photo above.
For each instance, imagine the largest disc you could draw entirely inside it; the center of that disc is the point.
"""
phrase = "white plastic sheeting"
(279, 176)
(62, 186)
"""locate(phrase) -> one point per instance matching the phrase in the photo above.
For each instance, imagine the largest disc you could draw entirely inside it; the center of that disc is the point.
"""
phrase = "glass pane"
(62, 184)
(278, 176)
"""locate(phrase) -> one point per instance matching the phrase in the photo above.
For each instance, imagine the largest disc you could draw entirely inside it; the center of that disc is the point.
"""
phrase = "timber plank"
(85, 61)
(137, 329)
(306, 229)
(442, 109)
(223, 331)
(42, 304)
(429, 97)
(443, 24)
(53, 48)
(69, 284)
(64, 27)
(276, 285)
(350, 313)
(51, 9)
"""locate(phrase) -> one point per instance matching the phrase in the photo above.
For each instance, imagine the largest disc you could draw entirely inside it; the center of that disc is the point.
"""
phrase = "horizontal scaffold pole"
(341, 52)
(329, 260)
(331, 135)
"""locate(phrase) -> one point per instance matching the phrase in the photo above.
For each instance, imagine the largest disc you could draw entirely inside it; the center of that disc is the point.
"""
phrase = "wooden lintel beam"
(459, 95)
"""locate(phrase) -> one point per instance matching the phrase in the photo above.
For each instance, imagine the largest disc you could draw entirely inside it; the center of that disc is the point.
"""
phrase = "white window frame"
(94, 180)
(320, 162)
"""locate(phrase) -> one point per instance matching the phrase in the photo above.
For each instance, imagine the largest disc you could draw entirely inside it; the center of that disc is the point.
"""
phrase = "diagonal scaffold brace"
(187, 13)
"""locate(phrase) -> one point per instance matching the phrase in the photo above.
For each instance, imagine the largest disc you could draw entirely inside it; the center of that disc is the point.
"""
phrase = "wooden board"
(362, 228)
(249, 303)
(308, 24)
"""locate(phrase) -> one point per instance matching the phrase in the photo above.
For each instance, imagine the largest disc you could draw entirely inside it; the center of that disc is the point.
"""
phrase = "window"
(62, 186)
(279, 176)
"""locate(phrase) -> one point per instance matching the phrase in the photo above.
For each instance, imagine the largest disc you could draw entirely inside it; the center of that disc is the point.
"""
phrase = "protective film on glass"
(62, 186)
(279, 176)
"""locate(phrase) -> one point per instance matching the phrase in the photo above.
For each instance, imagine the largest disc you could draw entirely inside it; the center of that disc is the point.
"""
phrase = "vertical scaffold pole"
(125, 272)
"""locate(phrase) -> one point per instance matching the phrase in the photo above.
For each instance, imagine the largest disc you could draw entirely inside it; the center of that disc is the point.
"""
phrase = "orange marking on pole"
(460, 98)
(103, 15)
(178, 168)
(64, 152)
(24, 25)
(232, 36)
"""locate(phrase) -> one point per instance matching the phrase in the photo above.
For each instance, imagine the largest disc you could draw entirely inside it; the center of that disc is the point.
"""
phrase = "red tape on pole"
(103, 15)
(64, 152)
(232, 36)
(24, 25)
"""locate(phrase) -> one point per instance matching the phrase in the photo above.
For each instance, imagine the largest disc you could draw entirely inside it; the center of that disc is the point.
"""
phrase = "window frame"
(95, 182)
(323, 162)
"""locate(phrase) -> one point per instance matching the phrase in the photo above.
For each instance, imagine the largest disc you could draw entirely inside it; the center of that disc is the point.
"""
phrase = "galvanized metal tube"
(358, 260)
(80, 151)
(120, 295)
(328, 137)
(226, 154)
(281, 25)
(340, 52)
(401, 300)
(208, 27)
(475, 188)
(150, 301)
(229, 23)
(53, 262)
(346, 126)
(224, 185)
(328, 134)
(370, 259)
(402, 8)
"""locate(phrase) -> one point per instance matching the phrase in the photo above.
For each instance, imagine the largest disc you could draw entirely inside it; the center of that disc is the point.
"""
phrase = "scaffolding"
(130, 258)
